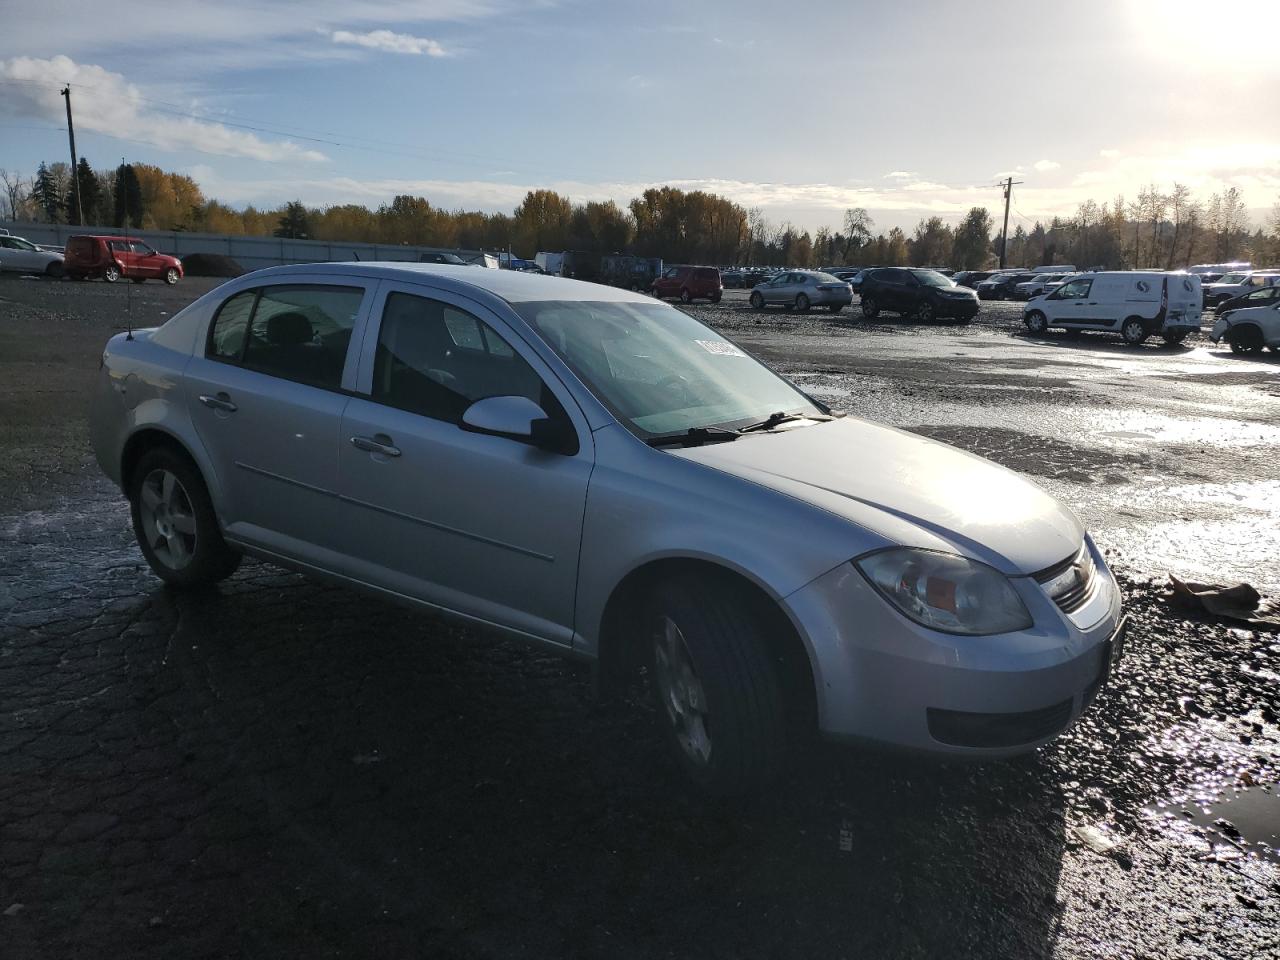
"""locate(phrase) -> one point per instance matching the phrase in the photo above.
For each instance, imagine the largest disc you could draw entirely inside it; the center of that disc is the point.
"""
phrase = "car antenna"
(128, 292)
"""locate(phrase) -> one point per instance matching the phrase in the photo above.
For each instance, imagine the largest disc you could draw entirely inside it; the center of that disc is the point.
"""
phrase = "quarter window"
(436, 360)
(226, 339)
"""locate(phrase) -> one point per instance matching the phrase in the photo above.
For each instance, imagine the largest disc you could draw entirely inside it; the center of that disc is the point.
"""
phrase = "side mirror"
(520, 419)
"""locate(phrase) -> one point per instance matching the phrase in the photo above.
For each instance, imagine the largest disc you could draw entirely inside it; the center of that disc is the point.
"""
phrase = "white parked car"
(596, 472)
(1134, 304)
(25, 257)
(1250, 329)
(1237, 284)
(1038, 286)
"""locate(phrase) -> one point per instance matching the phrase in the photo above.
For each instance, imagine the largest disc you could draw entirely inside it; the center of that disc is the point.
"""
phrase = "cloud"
(1110, 154)
(389, 42)
(899, 175)
(919, 186)
(1044, 166)
(106, 103)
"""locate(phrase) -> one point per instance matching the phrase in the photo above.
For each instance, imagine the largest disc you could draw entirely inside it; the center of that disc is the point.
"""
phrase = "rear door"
(266, 394)
(483, 525)
(122, 255)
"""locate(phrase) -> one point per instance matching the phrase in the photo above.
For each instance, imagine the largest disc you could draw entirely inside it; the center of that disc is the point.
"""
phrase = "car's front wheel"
(870, 309)
(54, 270)
(925, 312)
(686, 296)
(1246, 339)
(719, 698)
(802, 303)
(171, 276)
(1037, 322)
(174, 521)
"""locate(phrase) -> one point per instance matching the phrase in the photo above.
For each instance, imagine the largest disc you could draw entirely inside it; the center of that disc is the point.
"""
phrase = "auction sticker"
(722, 348)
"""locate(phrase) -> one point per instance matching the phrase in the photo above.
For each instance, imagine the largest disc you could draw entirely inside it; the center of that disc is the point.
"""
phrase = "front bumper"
(1220, 328)
(883, 678)
(956, 307)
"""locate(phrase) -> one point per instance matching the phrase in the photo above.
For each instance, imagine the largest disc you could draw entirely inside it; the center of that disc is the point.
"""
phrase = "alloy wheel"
(680, 692)
(168, 519)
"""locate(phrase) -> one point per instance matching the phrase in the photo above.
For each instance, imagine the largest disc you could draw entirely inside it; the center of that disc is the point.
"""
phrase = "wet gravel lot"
(281, 768)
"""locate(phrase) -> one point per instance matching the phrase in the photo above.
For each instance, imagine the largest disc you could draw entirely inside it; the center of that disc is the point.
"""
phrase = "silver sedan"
(595, 472)
(803, 289)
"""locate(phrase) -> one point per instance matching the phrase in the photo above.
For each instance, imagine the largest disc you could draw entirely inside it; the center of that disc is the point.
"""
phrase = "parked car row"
(110, 258)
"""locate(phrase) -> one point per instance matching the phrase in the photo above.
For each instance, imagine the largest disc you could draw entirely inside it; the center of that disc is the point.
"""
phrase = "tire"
(1245, 339)
(686, 296)
(716, 687)
(171, 276)
(870, 309)
(924, 312)
(55, 270)
(835, 307)
(802, 303)
(1037, 322)
(716, 297)
(174, 521)
(1133, 331)
(1173, 339)
(111, 273)
(756, 300)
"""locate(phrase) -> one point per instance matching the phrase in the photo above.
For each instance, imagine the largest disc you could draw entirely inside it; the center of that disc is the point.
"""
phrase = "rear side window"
(436, 360)
(298, 333)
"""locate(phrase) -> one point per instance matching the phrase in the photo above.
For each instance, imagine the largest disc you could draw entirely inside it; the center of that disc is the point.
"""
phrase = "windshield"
(932, 278)
(658, 370)
(21, 244)
(1234, 278)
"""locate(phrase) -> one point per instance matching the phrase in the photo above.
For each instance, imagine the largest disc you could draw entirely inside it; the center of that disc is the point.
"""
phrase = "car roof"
(514, 286)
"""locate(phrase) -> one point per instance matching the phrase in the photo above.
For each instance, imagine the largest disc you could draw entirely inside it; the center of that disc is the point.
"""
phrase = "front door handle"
(220, 402)
(378, 443)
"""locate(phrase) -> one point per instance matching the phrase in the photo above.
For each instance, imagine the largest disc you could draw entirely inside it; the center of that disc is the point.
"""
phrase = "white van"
(1134, 304)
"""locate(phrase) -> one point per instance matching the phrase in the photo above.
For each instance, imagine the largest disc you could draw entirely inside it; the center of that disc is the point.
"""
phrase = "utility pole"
(1004, 234)
(75, 171)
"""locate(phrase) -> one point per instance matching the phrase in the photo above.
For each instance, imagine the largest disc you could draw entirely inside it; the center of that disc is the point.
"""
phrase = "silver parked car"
(591, 470)
(803, 289)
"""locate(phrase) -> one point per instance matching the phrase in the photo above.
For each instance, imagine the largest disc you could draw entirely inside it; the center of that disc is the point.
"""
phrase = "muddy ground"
(280, 768)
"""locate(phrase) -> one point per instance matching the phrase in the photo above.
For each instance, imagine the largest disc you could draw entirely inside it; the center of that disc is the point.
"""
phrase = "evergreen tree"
(128, 206)
(46, 195)
(84, 195)
(296, 223)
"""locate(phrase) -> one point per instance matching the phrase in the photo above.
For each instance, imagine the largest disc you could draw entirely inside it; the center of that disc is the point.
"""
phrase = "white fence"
(252, 253)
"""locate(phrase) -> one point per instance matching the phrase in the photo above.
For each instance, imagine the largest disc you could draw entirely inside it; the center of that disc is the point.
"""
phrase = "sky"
(908, 109)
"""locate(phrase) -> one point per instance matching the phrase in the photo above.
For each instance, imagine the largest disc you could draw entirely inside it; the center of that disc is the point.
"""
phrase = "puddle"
(1247, 821)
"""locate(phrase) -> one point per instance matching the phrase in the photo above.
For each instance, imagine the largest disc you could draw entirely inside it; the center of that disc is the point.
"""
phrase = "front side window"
(226, 337)
(436, 360)
(657, 369)
(1075, 289)
(140, 248)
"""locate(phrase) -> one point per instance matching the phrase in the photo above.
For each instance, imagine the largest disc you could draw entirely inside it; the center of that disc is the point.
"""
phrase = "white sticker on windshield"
(722, 348)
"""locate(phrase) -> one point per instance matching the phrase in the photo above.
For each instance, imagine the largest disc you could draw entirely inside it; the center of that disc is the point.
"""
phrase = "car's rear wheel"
(1037, 322)
(870, 309)
(171, 276)
(1173, 339)
(925, 312)
(802, 303)
(686, 296)
(174, 521)
(835, 307)
(715, 297)
(1244, 340)
(719, 697)
(756, 301)
(1134, 331)
(111, 273)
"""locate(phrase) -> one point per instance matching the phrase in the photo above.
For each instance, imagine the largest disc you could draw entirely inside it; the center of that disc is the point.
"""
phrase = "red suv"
(114, 257)
(689, 283)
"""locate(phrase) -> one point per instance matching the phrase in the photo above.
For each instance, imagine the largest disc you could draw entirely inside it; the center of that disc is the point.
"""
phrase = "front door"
(1071, 304)
(482, 525)
(146, 262)
(266, 394)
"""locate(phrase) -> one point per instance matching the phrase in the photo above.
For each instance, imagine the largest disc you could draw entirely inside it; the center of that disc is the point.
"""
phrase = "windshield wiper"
(773, 419)
(693, 436)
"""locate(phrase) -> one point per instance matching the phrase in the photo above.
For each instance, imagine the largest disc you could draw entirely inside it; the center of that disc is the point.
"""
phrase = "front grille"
(959, 728)
(1070, 583)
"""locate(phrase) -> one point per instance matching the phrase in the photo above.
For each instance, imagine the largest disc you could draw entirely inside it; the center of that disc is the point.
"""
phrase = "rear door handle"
(378, 443)
(220, 402)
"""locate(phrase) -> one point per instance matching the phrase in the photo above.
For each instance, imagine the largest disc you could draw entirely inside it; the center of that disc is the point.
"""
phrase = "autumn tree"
(542, 221)
(970, 248)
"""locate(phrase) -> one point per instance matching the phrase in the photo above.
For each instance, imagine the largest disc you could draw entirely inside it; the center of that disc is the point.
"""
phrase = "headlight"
(946, 592)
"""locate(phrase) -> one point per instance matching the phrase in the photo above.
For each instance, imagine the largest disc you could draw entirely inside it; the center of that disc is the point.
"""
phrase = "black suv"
(971, 278)
(915, 292)
(1000, 286)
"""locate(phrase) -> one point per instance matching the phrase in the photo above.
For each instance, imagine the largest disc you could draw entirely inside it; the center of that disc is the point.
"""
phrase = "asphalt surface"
(280, 768)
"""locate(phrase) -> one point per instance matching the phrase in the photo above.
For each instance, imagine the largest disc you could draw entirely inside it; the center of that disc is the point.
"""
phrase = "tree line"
(1162, 229)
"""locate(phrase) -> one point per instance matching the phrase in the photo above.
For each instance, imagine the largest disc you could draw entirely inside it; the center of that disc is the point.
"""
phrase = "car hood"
(906, 490)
